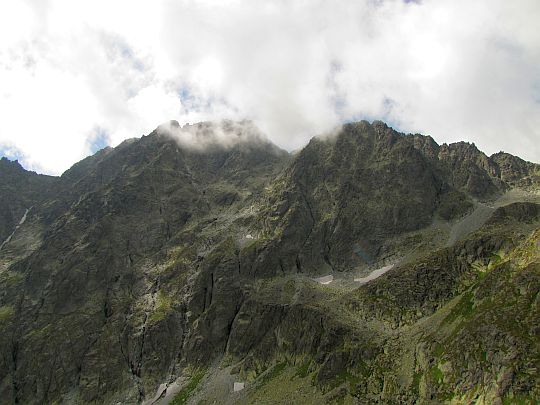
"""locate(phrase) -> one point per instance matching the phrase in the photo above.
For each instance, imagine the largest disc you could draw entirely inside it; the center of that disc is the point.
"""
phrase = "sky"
(76, 76)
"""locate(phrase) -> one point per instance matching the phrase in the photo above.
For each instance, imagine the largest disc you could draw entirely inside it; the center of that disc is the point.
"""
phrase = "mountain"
(173, 265)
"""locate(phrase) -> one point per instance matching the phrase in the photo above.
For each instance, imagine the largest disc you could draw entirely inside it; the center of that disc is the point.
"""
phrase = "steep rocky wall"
(138, 264)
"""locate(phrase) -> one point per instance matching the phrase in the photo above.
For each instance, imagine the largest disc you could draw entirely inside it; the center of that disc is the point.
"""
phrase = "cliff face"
(151, 260)
(19, 191)
(343, 196)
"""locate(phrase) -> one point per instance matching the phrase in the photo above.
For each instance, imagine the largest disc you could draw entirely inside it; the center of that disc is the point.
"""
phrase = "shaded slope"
(91, 295)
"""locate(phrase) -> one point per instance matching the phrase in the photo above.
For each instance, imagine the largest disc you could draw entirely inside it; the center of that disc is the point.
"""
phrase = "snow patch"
(17, 227)
(325, 279)
(238, 386)
(374, 274)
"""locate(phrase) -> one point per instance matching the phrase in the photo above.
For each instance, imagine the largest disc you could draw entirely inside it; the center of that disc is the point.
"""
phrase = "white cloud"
(454, 69)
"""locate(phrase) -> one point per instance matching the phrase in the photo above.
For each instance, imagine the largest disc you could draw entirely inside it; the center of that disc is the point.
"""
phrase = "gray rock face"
(143, 261)
(341, 197)
(19, 191)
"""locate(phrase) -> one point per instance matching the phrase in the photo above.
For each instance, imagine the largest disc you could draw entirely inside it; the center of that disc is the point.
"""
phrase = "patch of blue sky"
(11, 152)
(99, 140)
(191, 102)
(128, 54)
(387, 115)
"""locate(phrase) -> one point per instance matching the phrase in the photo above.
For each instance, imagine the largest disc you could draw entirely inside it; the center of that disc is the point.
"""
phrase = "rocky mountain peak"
(360, 268)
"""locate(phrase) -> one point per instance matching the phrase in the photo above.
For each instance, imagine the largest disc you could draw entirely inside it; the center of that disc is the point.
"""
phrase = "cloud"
(457, 70)
(222, 134)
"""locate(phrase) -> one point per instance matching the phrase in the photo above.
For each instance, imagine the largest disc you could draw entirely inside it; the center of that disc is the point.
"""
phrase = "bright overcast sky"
(78, 75)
